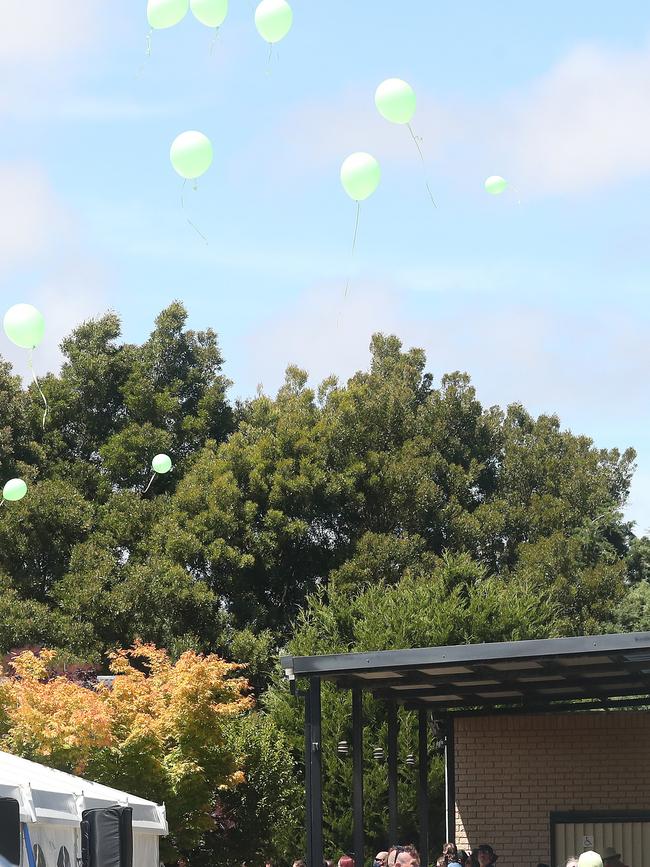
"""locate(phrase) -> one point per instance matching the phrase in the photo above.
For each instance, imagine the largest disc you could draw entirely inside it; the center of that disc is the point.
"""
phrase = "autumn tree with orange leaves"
(159, 731)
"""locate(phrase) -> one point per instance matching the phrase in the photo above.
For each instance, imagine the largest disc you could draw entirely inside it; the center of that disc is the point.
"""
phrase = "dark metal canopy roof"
(588, 671)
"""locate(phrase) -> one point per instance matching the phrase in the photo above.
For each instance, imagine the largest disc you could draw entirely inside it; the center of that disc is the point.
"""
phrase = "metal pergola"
(548, 676)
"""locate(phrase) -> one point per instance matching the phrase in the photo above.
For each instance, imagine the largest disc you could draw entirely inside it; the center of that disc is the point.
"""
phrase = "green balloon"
(166, 13)
(273, 19)
(161, 464)
(212, 13)
(24, 325)
(14, 489)
(360, 175)
(395, 100)
(191, 154)
(495, 185)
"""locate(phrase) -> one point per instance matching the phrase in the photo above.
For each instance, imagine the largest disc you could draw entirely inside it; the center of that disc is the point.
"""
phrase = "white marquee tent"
(51, 804)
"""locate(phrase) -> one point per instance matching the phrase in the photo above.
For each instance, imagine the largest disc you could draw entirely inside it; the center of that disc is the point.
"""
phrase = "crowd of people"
(451, 856)
(408, 856)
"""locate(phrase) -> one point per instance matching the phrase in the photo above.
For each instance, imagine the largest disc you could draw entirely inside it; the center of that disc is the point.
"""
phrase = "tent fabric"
(50, 796)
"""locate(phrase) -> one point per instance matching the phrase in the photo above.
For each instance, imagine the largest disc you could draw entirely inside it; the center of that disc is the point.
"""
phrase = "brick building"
(535, 786)
(546, 743)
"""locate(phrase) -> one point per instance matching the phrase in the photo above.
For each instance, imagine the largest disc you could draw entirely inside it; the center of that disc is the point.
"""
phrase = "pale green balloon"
(590, 859)
(24, 325)
(360, 175)
(273, 19)
(495, 185)
(212, 13)
(14, 489)
(395, 100)
(166, 13)
(191, 154)
(161, 464)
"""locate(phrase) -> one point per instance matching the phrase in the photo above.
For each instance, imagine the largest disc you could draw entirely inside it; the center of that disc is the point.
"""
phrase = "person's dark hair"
(462, 857)
(449, 851)
(484, 847)
(299, 863)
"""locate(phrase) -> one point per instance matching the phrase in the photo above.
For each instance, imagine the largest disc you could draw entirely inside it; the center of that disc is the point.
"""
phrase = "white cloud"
(43, 44)
(581, 125)
(326, 332)
(31, 217)
(589, 368)
(48, 31)
(584, 124)
(324, 132)
(42, 262)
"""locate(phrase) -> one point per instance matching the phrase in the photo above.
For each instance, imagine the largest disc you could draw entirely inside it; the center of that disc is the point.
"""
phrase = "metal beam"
(308, 818)
(315, 854)
(423, 786)
(393, 729)
(425, 657)
(541, 709)
(357, 775)
(450, 780)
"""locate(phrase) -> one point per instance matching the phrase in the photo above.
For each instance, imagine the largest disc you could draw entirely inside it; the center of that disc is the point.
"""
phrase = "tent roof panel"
(53, 795)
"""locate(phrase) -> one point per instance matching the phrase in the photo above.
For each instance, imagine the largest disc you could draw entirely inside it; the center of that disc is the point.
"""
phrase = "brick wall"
(512, 771)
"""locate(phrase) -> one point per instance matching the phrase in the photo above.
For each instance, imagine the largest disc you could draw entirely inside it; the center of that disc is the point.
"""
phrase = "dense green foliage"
(387, 511)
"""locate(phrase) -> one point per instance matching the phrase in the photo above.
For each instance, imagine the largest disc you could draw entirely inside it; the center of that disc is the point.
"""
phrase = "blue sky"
(540, 294)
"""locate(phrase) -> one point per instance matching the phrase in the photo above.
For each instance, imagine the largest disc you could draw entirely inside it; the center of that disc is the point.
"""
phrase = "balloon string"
(153, 476)
(198, 231)
(416, 139)
(147, 54)
(354, 244)
(214, 41)
(268, 62)
(38, 386)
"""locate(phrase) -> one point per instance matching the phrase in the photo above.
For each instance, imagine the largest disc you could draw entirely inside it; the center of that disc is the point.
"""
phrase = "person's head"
(346, 861)
(183, 862)
(610, 856)
(450, 852)
(485, 855)
(299, 863)
(572, 861)
(462, 857)
(381, 859)
(406, 856)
